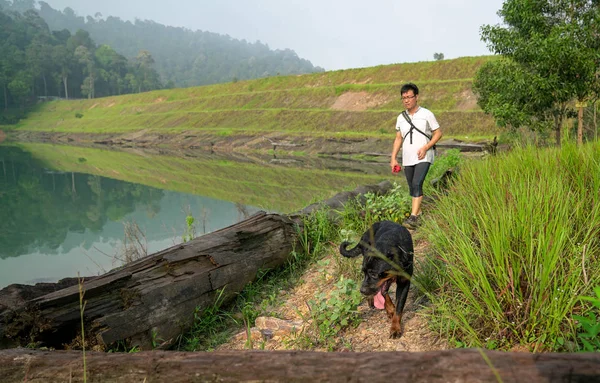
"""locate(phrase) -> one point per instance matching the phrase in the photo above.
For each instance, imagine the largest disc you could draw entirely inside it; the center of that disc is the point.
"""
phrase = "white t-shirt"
(426, 122)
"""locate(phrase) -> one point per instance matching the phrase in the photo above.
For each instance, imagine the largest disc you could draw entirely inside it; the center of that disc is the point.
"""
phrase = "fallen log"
(461, 365)
(151, 300)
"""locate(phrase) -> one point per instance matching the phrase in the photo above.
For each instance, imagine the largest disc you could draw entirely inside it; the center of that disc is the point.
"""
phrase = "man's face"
(409, 99)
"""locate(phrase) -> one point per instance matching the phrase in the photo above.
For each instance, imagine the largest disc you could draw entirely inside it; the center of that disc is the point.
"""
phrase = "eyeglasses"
(406, 98)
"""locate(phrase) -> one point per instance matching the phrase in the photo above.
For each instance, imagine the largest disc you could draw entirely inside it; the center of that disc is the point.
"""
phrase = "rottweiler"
(388, 252)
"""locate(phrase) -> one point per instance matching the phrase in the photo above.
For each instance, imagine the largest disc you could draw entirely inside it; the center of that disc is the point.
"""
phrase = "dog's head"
(378, 273)
(383, 242)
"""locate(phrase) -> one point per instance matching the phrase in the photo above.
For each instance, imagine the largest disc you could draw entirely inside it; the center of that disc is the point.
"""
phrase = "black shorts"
(415, 176)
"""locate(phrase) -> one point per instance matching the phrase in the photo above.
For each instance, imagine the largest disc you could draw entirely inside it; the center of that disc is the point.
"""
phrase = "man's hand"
(422, 152)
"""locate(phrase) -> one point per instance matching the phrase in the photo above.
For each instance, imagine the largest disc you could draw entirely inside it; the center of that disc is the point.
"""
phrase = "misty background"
(330, 34)
(89, 48)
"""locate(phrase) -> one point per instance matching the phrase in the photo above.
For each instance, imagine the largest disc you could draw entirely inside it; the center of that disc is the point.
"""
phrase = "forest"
(184, 57)
(37, 63)
(46, 53)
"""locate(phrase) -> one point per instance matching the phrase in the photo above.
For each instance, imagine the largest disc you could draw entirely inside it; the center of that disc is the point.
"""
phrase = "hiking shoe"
(412, 222)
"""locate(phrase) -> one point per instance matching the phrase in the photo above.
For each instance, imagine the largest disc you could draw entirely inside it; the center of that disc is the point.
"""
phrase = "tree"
(511, 95)
(20, 87)
(30, 52)
(86, 58)
(148, 80)
(112, 69)
(39, 60)
(555, 43)
(22, 5)
(62, 58)
(438, 56)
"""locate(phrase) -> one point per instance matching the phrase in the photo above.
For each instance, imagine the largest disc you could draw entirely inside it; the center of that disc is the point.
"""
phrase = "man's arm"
(437, 134)
(396, 149)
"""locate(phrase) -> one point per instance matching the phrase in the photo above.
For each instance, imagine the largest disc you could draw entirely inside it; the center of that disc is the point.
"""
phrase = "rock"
(275, 327)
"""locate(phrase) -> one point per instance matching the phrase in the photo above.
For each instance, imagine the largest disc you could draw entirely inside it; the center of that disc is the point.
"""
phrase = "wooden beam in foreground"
(460, 365)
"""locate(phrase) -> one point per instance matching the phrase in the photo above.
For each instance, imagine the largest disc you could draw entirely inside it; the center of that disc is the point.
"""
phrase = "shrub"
(588, 327)
(333, 312)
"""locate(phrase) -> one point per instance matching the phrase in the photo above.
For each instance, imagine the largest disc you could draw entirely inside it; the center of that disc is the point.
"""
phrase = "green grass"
(516, 241)
(291, 104)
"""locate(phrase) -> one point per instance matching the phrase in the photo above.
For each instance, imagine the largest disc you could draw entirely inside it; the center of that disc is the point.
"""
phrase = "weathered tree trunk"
(464, 365)
(151, 300)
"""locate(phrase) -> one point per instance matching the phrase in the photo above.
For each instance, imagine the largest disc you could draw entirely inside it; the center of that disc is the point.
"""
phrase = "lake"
(67, 210)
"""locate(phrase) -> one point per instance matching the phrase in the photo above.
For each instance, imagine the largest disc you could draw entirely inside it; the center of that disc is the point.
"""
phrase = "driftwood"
(464, 365)
(151, 300)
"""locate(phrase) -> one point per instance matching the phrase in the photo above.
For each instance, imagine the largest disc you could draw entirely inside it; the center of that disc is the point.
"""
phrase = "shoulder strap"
(412, 126)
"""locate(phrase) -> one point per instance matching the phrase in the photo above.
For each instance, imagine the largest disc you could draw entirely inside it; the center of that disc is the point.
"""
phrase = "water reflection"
(54, 224)
(62, 208)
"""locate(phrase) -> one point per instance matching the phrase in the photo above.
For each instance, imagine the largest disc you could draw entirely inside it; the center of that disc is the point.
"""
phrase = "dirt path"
(372, 334)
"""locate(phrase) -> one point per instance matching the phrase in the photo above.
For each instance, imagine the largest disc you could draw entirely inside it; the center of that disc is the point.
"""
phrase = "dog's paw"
(396, 328)
(395, 334)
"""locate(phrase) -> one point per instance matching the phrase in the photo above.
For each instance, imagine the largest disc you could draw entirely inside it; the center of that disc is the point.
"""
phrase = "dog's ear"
(355, 252)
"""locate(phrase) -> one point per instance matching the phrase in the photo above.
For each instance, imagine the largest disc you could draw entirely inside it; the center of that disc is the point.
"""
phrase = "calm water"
(63, 210)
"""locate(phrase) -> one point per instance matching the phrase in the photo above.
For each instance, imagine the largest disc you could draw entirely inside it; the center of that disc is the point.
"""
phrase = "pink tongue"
(379, 301)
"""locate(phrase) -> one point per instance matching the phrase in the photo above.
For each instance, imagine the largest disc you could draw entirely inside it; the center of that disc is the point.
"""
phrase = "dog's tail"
(355, 252)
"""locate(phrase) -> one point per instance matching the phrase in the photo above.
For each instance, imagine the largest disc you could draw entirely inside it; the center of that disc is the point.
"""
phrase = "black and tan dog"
(387, 248)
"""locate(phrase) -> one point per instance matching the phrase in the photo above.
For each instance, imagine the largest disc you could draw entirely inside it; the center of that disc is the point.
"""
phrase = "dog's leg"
(371, 301)
(401, 294)
(389, 306)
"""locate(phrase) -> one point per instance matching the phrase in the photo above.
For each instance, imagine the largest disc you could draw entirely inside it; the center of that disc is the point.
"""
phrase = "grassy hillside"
(362, 101)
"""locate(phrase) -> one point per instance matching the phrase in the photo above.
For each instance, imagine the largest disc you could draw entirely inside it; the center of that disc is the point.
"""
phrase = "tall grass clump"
(516, 242)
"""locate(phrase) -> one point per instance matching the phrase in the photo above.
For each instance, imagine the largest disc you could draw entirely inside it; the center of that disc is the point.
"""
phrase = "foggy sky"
(333, 34)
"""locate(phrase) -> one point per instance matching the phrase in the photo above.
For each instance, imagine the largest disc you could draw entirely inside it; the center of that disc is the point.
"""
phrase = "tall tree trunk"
(45, 85)
(66, 90)
(5, 98)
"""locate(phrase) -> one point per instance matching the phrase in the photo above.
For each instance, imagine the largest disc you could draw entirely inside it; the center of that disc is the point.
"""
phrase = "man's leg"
(416, 205)
(418, 178)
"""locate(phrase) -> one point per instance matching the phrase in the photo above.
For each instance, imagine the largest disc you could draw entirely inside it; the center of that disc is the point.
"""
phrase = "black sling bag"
(412, 126)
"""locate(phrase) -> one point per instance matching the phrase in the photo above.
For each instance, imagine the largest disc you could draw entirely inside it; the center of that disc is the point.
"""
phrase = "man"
(417, 131)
